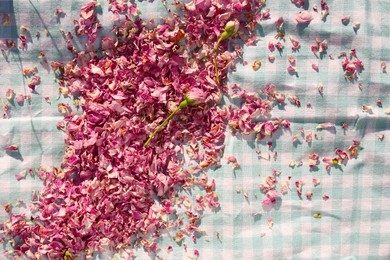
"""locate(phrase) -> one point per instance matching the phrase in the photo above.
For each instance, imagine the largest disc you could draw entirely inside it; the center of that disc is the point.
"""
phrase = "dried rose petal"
(10, 94)
(11, 148)
(325, 197)
(271, 46)
(381, 137)
(384, 67)
(292, 69)
(309, 195)
(21, 175)
(317, 215)
(324, 10)
(256, 65)
(315, 66)
(345, 20)
(356, 26)
(270, 222)
(271, 58)
(298, 3)
(325, 125)
(279, 46)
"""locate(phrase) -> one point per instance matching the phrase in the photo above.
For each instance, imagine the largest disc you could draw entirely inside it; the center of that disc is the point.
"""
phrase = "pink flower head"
(195, 96)
(232, 27)
(304, 17)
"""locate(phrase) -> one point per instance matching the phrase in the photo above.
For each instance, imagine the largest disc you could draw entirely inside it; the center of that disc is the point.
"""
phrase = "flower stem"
(183, 104)
(215, 60)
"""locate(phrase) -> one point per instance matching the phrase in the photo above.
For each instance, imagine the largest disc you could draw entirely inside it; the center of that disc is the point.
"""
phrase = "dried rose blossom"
(316, 182)
(315, 8)
(345, 20)
(309, 195)
(379, 103)
(381, 137)
(344, 125)
(304, 17)
(256, 65)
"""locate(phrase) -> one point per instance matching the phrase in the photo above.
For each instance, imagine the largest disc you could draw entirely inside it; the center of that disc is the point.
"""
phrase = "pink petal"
(11, 148)
(21, 175)
(325, 125)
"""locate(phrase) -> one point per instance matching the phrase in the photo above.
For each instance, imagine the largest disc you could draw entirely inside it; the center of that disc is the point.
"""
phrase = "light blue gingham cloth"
(355, 221)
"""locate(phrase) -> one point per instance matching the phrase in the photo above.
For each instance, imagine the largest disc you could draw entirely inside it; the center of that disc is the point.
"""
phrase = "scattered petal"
(317, 215)
(345, 20)
(325, 125)
(256, 65)
(21, 175)
(11, 148)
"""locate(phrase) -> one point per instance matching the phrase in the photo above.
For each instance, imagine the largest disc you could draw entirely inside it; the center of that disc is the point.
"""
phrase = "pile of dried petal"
(110, 190)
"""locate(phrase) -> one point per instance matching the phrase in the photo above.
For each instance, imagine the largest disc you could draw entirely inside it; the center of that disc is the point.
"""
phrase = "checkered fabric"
(355, 222)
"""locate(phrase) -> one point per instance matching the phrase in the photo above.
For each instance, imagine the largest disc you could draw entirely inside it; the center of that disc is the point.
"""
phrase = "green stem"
(215, 60)
(183, 104)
